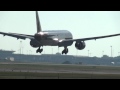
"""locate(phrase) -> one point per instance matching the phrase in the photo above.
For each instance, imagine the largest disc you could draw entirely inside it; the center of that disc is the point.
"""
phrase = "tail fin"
(39, 29)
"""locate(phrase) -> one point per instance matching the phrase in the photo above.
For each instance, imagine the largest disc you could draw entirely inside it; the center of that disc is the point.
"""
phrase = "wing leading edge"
(91, 38)
(23, 36)
(18, 36)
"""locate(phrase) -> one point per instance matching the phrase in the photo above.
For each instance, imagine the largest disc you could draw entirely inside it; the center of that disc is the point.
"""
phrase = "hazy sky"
(80, 23)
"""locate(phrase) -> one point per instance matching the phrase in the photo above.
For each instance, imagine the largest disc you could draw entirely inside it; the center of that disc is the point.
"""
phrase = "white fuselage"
(58, 35)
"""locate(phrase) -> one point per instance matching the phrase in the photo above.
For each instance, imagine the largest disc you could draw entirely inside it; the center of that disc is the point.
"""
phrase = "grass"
(24, 71)
(25, 75)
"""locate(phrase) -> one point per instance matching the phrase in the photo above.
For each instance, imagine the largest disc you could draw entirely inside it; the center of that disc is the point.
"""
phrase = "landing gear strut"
(65, 51)
(39, 50)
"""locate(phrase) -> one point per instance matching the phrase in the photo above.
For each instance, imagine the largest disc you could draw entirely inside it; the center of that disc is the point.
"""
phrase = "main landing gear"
(65, 51)
(39, 50)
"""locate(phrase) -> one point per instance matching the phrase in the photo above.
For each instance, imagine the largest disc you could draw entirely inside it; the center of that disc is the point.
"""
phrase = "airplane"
(60, 38)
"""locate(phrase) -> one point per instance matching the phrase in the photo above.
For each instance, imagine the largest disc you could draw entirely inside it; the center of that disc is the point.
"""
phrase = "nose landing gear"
(39, 50)
(65, 51)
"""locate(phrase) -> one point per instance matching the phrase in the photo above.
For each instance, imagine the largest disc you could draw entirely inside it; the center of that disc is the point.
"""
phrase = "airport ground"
(57, 71)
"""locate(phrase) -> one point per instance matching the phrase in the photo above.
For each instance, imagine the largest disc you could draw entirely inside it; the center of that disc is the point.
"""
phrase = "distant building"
(58, 53)
(5, 54)
(57, 58)
(2, 52)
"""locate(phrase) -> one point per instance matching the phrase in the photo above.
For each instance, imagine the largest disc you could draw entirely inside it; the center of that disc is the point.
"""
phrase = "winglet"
(39, 29)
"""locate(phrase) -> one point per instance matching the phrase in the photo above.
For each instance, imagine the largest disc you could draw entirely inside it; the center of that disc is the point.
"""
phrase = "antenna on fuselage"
(39, 29)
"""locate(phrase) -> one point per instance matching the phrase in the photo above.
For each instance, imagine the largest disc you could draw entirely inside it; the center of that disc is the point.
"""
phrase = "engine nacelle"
(34, 43)
(80, 45)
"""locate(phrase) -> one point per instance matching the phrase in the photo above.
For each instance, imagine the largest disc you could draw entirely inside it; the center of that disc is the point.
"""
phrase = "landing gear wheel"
(65, 51)
(39, 50)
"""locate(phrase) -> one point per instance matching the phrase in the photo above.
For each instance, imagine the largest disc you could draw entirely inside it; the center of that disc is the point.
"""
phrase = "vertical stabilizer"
(39, 29)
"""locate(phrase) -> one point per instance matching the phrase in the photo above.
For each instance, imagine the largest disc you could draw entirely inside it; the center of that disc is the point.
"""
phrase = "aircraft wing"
(23, 36)
(91, 38)
(18, 36)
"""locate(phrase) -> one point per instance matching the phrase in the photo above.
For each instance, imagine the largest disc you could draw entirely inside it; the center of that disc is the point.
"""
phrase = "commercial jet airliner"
(60, 38)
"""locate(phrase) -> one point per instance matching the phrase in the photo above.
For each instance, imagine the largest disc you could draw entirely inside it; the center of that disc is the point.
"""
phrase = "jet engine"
(80, 45)
(34, 43)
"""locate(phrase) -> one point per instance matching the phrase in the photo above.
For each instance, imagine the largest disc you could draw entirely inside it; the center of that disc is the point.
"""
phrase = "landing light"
(56, 39)
(41, 33)
(60, 40)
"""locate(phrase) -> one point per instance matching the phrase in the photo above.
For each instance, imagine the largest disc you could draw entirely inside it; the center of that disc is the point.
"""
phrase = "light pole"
(76, 52)
(102, 53)
(88, 53)
(111, 51)
(118, 53)
(20, 47)
(30, 52)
